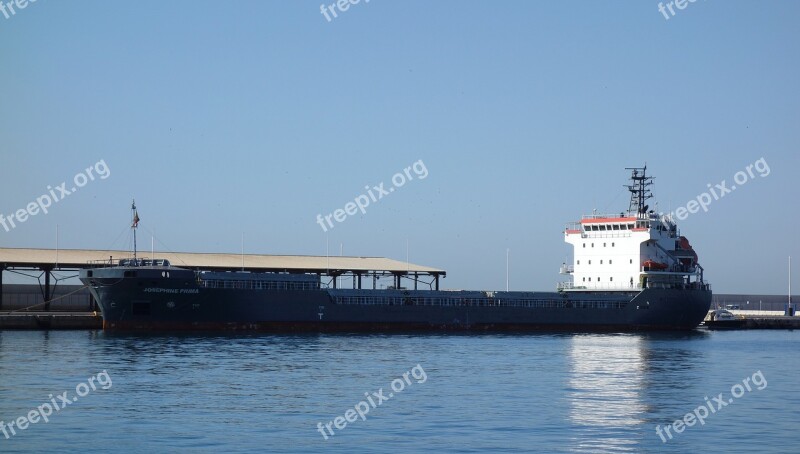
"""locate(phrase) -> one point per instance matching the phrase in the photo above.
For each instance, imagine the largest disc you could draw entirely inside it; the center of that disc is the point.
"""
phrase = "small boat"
(653, 265)
(722, 319)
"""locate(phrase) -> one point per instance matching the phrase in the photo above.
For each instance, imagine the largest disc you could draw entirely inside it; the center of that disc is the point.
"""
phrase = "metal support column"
(437, 282)
(2, 268)
(47, 288)
(359, 281)
(416, 279)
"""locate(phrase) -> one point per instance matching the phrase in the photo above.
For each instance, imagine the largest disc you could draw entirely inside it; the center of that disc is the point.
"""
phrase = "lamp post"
(507, 250)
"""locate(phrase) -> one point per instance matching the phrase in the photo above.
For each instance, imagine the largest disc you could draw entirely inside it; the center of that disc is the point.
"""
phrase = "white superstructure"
(630, 250)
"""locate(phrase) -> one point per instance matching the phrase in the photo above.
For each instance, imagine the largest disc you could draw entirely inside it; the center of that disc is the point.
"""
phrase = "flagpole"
(133, 226)
(507, 251)
(327, 260)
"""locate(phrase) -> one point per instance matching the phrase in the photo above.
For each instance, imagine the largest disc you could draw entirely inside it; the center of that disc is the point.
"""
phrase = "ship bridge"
(630, 250)
(46, 261)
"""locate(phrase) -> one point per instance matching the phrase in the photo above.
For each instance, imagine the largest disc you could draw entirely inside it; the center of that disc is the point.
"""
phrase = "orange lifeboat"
(653, 265)
(683, 243)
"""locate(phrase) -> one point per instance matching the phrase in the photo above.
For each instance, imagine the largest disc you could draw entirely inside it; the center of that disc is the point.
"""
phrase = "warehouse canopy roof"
(82, 258)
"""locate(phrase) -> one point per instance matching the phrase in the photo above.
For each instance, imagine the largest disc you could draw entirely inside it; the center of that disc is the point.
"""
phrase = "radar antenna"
(639, 189)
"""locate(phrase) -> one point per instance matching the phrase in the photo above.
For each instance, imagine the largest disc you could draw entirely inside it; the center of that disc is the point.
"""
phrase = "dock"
(771, 322)
(757, 320)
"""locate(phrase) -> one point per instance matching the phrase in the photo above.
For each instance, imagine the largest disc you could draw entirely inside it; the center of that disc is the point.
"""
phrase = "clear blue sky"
(255, 116)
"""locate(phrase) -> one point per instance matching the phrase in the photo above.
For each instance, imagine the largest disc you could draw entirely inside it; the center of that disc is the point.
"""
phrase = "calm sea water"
(470, 393)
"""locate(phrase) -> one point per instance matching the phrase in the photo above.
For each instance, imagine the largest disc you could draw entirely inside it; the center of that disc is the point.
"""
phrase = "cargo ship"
(631, 271)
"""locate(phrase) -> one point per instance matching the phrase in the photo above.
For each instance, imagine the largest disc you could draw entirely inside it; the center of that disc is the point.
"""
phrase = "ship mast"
(134, 226)
(639, 189)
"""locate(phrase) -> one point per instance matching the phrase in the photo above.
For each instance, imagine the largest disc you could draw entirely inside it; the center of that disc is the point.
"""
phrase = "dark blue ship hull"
(177, 299)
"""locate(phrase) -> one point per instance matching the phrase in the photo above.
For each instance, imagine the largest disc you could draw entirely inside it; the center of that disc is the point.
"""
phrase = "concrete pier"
(773, 322)
(745, 320)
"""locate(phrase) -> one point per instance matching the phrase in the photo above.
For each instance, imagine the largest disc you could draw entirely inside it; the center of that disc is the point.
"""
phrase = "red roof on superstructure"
(607, 220)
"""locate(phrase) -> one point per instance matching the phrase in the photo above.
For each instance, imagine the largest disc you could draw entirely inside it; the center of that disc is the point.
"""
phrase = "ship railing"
(479, 302)
(676, 266)
(240, 284)
(106, 263)
(607, 234)
(679, 285)
(607, 215)
(566, 286)
(138, 262)
(571, 286)
(635, 287)
(625, 214)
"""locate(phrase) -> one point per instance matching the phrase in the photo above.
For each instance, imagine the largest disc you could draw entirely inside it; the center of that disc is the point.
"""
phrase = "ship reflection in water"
(605, 386)
(613, 380)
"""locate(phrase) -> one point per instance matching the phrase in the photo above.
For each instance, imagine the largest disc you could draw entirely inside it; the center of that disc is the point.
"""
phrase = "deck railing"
(635, 287)
(241, 284)
(478, 302)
